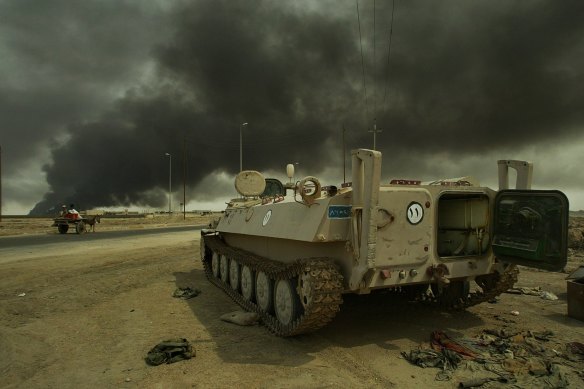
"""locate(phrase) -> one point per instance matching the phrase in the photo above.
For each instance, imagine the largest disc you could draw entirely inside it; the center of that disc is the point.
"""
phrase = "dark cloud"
(463, 78)
(65, 62)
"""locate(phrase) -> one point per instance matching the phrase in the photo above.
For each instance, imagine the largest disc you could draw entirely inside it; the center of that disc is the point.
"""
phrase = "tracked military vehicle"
(452, 242)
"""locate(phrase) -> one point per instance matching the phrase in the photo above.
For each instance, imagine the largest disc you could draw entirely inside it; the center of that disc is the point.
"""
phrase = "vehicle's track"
(325, 287)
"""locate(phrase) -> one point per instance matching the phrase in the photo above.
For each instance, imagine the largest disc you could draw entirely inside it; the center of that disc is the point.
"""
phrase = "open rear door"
(531, 228)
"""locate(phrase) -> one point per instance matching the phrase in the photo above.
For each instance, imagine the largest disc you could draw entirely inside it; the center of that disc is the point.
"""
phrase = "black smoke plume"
(463, 78)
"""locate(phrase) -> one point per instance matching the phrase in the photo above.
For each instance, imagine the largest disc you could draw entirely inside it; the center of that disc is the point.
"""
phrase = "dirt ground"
(26, 226)
(86, 314)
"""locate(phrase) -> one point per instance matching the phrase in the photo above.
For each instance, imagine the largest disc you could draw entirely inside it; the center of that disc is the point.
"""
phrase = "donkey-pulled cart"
(80, 224)
(62, 224)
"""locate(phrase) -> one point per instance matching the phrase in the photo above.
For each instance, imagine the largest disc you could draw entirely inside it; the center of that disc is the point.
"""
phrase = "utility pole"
(169, 183)
(375, 131)
(185, 178)
(241, 145)
(344, 156)
(0, 183)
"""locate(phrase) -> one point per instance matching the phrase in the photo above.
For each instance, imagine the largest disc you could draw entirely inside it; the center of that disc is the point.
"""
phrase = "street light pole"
(241, 146)
(185, 178)
(0, 183)
(169, 183)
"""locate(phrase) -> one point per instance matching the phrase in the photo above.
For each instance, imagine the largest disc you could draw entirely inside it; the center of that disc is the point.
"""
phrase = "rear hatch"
(531, 228)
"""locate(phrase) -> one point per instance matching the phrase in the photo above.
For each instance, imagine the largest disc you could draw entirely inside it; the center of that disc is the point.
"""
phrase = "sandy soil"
(89, 320)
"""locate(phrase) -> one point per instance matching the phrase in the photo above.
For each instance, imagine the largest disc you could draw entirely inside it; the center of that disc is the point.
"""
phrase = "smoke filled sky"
(94, 94)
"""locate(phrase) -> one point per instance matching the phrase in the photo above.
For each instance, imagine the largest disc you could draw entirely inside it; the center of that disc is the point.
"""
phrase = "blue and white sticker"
(339, 212)
(415, 213)
(267, 218)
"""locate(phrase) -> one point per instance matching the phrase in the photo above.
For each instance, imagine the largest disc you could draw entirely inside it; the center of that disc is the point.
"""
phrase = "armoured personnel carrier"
(449, 242)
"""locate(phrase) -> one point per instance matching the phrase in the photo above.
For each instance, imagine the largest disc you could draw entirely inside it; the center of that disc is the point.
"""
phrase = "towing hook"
(439, 272)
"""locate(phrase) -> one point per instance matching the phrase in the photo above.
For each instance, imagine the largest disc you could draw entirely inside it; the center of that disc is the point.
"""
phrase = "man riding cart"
(69, 216)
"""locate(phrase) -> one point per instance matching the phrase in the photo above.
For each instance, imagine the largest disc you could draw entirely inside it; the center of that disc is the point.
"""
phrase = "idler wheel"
(285, 302)
(305, 288)
(264, 292)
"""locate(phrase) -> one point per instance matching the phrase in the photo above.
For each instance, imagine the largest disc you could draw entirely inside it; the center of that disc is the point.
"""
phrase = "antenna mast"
(375, 131)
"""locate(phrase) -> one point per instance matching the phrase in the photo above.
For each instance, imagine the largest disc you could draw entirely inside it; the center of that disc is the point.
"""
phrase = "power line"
(362, 63)
(388, 54)
(374, 65)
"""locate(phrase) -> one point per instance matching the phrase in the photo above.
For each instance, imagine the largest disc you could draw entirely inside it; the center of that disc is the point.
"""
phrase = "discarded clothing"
(441, 341)
(476, 382)
(186, 293)
(529, 291)
(549, 296)
(514, 356)
(444, 359)
(537, 291)
(544, 336)
(170, 351)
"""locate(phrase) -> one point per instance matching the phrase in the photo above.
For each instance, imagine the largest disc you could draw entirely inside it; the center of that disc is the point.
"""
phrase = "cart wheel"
(80, 228)
(63, 228)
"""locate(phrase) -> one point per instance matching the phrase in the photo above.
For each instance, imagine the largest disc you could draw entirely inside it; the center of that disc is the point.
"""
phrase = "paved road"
(47, 239)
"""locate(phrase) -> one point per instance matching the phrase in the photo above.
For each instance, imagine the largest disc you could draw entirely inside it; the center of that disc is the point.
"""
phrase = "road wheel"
(80, 228)
(264, 288)
(234, 274)
(63, 228)
(215, 265)
(247, 283)
(286, 303)
(224, 268)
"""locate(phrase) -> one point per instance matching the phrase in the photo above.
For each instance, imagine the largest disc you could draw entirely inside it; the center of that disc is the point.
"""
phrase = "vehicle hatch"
(531, 228)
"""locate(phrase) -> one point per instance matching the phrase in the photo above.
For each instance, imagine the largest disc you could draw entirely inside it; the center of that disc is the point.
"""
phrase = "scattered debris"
(513, 356)
(576, 348)
(442, 341)
(476, 382)
(537, 291)
(241, 318)
(170, 351)
(549, 296)
(504, 319)
(524, 290)
(577, 274)
(186, 293)
(444, 359)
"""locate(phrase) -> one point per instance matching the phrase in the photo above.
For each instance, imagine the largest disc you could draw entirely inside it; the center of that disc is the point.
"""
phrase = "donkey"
(91, 221)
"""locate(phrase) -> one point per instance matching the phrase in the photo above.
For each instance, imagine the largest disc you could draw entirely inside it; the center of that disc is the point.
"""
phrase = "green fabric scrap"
(170, 351)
